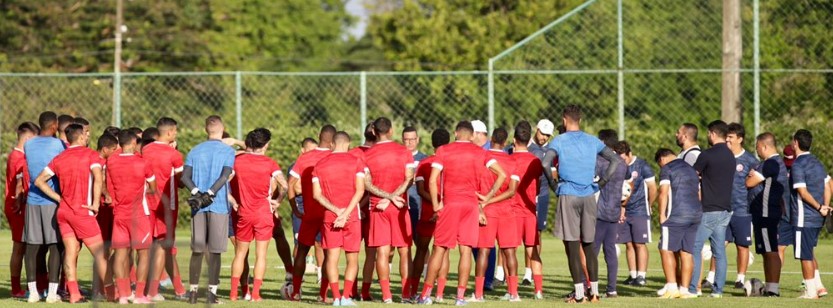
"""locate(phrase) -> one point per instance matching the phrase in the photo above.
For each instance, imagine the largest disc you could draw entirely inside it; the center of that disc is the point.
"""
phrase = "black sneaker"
(639, 281)
(629, 281)
(706, 284)
(526, 282)
(771, 294)
(738, 284)
(212, 299)
(192, 297)
(570, 295)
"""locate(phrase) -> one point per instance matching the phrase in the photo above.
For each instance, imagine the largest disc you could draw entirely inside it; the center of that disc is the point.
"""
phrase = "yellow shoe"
(687, 295)
(670, 294)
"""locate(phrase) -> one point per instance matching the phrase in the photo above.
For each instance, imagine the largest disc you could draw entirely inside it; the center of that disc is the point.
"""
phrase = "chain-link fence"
(642, 67)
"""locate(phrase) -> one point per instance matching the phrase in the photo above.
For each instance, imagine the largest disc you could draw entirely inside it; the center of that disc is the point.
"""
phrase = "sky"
(356, 8)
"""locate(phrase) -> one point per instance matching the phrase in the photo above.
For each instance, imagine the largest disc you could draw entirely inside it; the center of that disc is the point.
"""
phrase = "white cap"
(545, 126)
(479, 126)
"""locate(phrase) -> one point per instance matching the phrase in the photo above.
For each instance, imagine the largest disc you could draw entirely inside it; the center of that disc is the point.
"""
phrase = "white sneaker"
(474, 299)
(34, 297)
(539, 296)
(661, 292)
(248, 297)
(53, 299)
(132, 296)
(157, 298)
(514, 299)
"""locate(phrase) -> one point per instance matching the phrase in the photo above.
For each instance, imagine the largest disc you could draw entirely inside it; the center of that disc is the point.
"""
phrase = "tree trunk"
(732, 108)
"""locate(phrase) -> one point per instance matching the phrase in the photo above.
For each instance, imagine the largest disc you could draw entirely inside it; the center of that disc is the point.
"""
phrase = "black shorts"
(766, 235)
(739, 231)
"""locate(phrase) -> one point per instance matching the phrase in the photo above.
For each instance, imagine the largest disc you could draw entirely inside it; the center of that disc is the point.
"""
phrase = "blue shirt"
(414, 201)
(684, 207)
(207, 160)
(640, 174)
(807, 172)
(39, 152)
(609, 205)
(577, 153)
(740, 195)
(539, 151)
(771, 194)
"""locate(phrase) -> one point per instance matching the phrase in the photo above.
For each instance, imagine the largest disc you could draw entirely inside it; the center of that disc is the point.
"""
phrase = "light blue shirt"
(577, 152)
(207, 160)
(39, 152)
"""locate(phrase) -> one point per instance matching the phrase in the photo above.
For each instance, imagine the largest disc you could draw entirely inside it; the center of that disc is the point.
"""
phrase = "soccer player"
(132, 179)
(78, 171)
(390, 171)
(427, 218)
(338, 185)
(635, 232)
(40, 228)
(687, 141)
(206, 173)
(458, 212)
(313, 216)
(481, 139)
(106, 146)
(530, 171)
(611, 211)
(84, 123)
(497, 219)
(17, 186)
(768, 183)
(64, 120)
(576, 213)
(717, 167)
(167, 165)
(256, 177)
(680, 213)
(810, 196)
(739, 230)
(364, 215)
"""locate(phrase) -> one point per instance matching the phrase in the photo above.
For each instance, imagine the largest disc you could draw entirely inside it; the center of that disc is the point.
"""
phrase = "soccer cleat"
(671, 294)
(439, 299)
(807, 295)
(474, 299)
(295, 298)
(53, 299)
(337, 302)
(387, 301)
(192, 297)
(123, 301)
(661, 292)
(21, 294)
(628, 281)
(157, 298)
(34, 297)
(247, 297)
(460, 302)
(822, 292)
(538, 296)
(79, 300)
(407, 300)
(639, 281)
(515, 299)
(738, 284)
(570, 295)
(142, 301)
(687, 295)
(594, 298)
(771, 294)
(706, 284)
(526, 282)
(212, 299)
(612, 294)
(347, 302)
(505, 297)
(425, 301)
(716, 295)
(573, 300)
(181, 297)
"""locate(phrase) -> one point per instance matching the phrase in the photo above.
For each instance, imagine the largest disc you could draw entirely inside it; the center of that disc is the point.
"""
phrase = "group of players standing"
(121, 202)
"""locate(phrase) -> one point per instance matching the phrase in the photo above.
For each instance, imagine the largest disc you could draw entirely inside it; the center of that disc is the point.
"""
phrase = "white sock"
(527, 274)
(710, 277)
(425, 270)
(741, 278)
(499, 275)
(53, 289)
(212, 289)
(670, 286)
(810, 286)
(640, 274)
(773, 287)
(579, 290)
(594, 287)
(817, 279)
(288, 277)
(195, 287)
(33, 287)
(633, 274)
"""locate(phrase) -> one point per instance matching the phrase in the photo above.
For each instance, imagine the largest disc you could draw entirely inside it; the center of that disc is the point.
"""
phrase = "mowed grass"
(556, 282)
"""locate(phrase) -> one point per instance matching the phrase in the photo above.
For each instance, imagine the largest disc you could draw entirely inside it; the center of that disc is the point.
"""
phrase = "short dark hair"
(572, 112)
(768, 138)
(609, 137)
(737, 130)
(258, 138)
(804, 138)
(113, 131)
(662, 152)
(126, 137)
(523, 132)
(134, 130)
(719, 128)
(622, 147)
(561, 129)
(80, 120)
(499, 135)
(464, 126)
(308, 140)
(327, 133)
(368, 133)
(73, 132)
(213, 119)
(165, 122)
(690, 130)
(150, 134)
(382, 125)
(47, 118)
(409, 129)
(342, 135)
(65, 119)
(440, 137)
(27, 127)
(107, 141)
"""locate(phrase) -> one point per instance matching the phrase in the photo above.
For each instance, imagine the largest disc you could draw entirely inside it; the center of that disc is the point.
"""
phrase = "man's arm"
(433, 189)
(663, 202)
(187, 171)
(221, 181)
(422, 191)
(509, 193)
(291, 194)
(611, 157)
(409, 176)
(652, 192)
(152, 187)
(282, 185)
(546, 163)
(354, 202)
(40, 183)
(319, 196)
(97, 184)
(501, 176)
(368, 185)
(19, 197)
(805, 195)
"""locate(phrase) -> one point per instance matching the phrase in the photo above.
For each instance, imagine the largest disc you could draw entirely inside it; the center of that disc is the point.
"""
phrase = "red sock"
(133, 274)
(179, 289)
(296, 284)
(124, 286)
(244, 286)
(461, 292)
(256, 289)
(349, 288)
(426, 291)
(478, 286)
(16, 285)
(414, 286)
(153, 288)
(336, 291)
(539, 282)
(74, 294)
(43, 282)
(140, 289)
(110, 292)
(322, 290)
(440, 287)
(406, 288)
(386, 295)
(366, 290)
(512, 281)
(235, 283)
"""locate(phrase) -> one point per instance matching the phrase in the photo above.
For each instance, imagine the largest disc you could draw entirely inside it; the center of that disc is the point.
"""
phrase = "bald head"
(214, 127)
(766, 145)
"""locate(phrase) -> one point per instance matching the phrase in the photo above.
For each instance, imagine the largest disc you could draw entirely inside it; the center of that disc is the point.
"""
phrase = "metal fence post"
(756, 53)
(620, 97)
(117, 99)
(238, 100)
(491, 93)
(363, 102)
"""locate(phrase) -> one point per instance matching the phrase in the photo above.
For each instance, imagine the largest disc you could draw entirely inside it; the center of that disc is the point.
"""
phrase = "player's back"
(423, 173)
(165, 162)
(127, 175)
(529, 170)
(684, 205)
(16, 171)
(387, 162)
(507, 163)
(207, 161)
(577, 153)
(610, 196)
(302, 170)
(807, 172)
(73, 170)
(741, 196)
(252, 183)
(336, 175)
(767, 198)
(639, 172)
(39, 151)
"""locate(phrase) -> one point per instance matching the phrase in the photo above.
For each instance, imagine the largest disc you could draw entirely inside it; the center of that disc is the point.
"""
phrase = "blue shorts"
(786, 234)
(766, 235)
(739, 231)
(296, 221)
(635, 230)
(543, 207)
(679, 238)
(805, 240)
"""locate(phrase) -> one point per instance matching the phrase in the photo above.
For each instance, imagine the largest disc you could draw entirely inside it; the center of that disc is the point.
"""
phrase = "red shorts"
(391, 227)
(457, 224)
(347, 238)
(16, 222)
(159, 221)
(82, 227)
(254, 227)
(425, 228)
(502, 229)
(129, 232)
(310, 227)
(528, 230)
(105, 221)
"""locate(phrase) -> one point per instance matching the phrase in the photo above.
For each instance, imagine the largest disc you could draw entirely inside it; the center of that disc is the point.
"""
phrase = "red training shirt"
(459, 162)
(252, 183)
(166, 162)
(505, 207)
(423, 174)
(337, 174)
(529, 169)
(302, 170)
(128, 174)
(387, 163)
(73, 168)
(16, 171)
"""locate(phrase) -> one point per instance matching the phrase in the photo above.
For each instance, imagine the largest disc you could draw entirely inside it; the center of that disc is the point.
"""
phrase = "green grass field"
(556, 284)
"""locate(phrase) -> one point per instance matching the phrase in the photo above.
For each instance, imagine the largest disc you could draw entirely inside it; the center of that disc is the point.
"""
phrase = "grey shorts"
(575, 218)
(209, 232)
(41, 226)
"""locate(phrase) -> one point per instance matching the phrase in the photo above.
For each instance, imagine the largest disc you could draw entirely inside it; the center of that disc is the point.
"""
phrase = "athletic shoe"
(706, 284)
(388, 301)
(157, 298)
(132, 296)
(295, 298)
(192, 297)
(716, 295)
(515, 299)
(612, 294)
(79, 300)
(142, 301)
(628, 281)
(425, 301)
(474, 299)
(21, 294)
(123, 301)
(52, 299)
(738, 284)
(498, 283)
(807, 295)
(670, 294)
(639, 281)
(460, 302)
(337, 302)
(407, 300)
(212, 299)
(661, 292)
(34, 297)
(347, 302)
(439, 299)
(247, 297)
(526, 282)
(256, 299)
(181, 297)
(538, 296)
(594, 298)
(570, 295)
(771, 294)
(822, 292)
(506, 297)
(573, 300)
